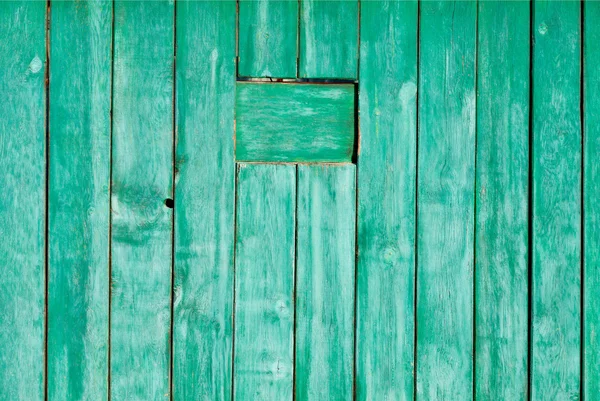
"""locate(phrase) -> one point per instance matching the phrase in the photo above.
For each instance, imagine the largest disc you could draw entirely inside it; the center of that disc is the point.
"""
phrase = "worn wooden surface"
(386, 201)
(325, 282)
(556, 218)
(501, 272)
(294, 122)
(79, 179)
(204, 201)
(22, 204)
(142, 176)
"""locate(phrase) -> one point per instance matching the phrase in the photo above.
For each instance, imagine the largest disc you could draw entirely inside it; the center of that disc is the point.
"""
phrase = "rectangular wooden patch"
(282, 122)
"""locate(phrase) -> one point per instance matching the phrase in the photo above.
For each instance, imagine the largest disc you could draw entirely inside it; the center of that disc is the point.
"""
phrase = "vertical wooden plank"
(264, 266)
(325, 286)
(79, 177)
(268, 36)
(501, 270)
(386, 201)
(446, 183)
(204, 200)
(22, 206)
(591, 193)
(142, 175)
(328, 39)
(556, 168)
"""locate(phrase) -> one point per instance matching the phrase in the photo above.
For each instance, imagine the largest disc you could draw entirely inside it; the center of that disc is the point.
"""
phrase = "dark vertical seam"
(582, 200)
(530, 209)
(474, 284)
(237, 39)
(235, 218)
(46, 198)
(356, 203)
(416, 197)
(298, 27)
(295, 287)
(173, 210)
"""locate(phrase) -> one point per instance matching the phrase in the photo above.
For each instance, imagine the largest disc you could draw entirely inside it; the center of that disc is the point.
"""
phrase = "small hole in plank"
(169, 203)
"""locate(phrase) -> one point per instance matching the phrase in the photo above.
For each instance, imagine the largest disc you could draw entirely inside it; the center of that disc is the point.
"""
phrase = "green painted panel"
(142, 176)
(328, 39)
(591, 193)
(325, 286)
(446, 183)
(22, 206)
(294, 122)
(386, 201)
(264, 283)
(501, 281)
(556, 169)
(78, 267)
(268, 36)
(204, 201)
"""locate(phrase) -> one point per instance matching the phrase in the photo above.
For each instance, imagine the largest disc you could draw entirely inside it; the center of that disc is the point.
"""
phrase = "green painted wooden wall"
(452, 252)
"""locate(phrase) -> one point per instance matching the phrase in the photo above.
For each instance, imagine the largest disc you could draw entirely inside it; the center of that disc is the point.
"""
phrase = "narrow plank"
(268, 36)
(142, 175)
(264, 266)
(446, 183)
(328, 39)
(386, 201)
(325, 286)
(501, 284)
(556, 169)
(591, 193)
(204, 201)
(294, 122)
(22, 208)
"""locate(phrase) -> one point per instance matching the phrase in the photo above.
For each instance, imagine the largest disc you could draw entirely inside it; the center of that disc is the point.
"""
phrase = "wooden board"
(386, 201)
(556, 219)
(501, 270)
(328, 39)
(294, 122)
(591, 193)
(446, 183)
(325, 282)
(204, 201)
(268, 35)
(142, 176)
(79, 179)
(264, 283)
(22, 205)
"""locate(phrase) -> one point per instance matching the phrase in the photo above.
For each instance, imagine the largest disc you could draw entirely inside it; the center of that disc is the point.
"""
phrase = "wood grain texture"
(22, 206)
(142, 176)
(294, 122)
(325, 287)
(591, 193)
(79, 178)
(556, 169)
(328, 39)
(386, 201)
(264, 284)
(268, 35)
(446, 183)
(204, 201)
(501, 281)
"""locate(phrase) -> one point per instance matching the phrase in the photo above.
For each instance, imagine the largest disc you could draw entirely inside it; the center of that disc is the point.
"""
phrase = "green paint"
(556, 170)
(328, 39)
(22, 204)
(386, 201)
(204, 200)
(591, 193)
(325, 287)
(142, 175)
(80, 88)
(264, 268)
(294, 122)
(268, 35)
(446, 182)
(501, 272)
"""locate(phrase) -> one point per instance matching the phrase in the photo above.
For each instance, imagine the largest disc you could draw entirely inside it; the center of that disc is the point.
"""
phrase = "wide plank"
(23, 202)
(142, 177)
(264, 282)
(325, 282)
(446, 183)
(204, 201)
(386, 201)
